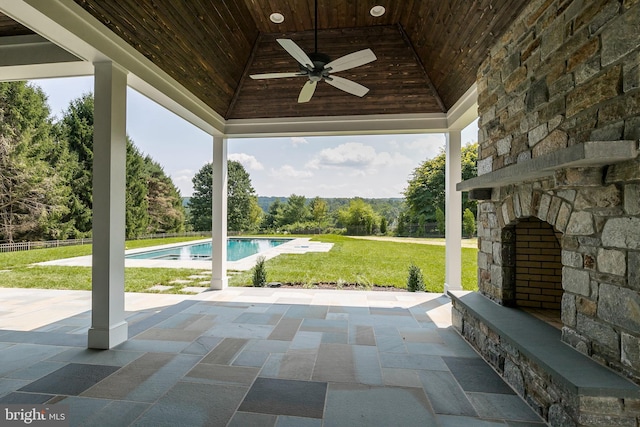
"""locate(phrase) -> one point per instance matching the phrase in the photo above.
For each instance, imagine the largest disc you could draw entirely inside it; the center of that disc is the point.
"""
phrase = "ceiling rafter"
(424, 70)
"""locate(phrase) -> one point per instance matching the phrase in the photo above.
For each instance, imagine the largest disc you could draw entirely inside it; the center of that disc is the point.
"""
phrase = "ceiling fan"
(317, 67)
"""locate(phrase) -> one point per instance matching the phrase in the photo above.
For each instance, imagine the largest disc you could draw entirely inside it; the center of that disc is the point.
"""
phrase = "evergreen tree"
(270, 220)
(440, 220)
(136, 219)
(240, 194)
(295, 210)
(76, 130)
(383, 225)
(468, 223)
(164, 203)
(200, 203)
(30, 192)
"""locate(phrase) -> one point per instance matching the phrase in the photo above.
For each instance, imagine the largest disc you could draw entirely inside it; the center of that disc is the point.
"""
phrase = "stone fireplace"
(558, 192)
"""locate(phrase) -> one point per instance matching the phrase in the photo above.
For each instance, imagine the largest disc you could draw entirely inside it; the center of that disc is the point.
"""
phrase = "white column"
(108, 327)
(219, 279)
(453, 212)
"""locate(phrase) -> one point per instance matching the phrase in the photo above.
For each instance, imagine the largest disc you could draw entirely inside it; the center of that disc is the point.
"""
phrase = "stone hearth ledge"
(541, 343)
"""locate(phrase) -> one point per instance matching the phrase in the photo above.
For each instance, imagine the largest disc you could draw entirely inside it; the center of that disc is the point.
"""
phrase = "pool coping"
(298, 245)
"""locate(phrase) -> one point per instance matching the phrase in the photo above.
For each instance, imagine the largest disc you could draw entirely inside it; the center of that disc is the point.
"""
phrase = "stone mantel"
(587, 154)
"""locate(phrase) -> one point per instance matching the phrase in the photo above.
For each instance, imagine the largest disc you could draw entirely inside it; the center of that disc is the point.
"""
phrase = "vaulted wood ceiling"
(428, 50)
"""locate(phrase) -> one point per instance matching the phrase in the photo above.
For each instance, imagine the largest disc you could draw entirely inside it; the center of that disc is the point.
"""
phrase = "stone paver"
(246, 356)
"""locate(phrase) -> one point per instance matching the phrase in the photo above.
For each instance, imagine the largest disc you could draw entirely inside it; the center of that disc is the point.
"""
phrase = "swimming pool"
(236, 250)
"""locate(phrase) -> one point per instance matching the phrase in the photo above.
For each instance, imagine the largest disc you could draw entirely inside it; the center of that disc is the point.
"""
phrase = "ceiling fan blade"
(275, 75)
(307, 91)
(351, 60)
(297, 53)
(347, 85)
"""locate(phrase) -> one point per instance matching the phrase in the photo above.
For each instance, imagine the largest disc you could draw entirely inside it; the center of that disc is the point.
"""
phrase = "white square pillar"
(219, 279)
(453, 212)
(108, 327)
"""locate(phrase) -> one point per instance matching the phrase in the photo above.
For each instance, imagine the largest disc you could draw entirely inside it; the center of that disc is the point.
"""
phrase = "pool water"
(236, 250)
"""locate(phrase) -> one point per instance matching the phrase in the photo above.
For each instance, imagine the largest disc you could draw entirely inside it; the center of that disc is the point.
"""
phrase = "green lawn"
(350, 261)
(17, 271)
(367, 262)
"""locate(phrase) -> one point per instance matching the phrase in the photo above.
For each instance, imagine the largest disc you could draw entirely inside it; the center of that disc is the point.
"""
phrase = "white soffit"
(464, 111)
(339, 125)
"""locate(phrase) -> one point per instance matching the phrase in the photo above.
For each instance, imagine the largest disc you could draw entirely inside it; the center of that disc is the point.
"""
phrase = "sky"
(369, 166)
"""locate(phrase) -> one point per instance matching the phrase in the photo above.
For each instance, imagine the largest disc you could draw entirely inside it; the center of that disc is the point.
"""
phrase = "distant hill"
(334, 203)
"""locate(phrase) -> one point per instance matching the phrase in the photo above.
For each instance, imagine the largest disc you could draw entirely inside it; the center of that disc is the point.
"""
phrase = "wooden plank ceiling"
(428, 50)
(9, 27)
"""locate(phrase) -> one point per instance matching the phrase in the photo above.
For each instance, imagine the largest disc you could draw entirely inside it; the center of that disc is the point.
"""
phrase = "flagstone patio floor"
(253, 357)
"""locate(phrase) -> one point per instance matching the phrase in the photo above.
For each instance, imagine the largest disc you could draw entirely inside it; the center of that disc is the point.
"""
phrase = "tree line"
(420, 213)
(46, 173)
(46, 186)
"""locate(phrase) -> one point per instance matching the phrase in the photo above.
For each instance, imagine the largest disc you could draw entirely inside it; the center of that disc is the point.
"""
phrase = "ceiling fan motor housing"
(319, 61)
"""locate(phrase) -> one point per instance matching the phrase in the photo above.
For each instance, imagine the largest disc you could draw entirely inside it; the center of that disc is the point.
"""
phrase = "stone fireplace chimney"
(559, 178)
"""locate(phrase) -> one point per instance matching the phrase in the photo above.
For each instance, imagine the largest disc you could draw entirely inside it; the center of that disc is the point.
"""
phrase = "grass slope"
(366, 262)
(350, 261)
(17, 269)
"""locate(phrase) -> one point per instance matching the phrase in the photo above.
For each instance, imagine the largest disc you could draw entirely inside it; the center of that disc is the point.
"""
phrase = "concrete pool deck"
(300, 245)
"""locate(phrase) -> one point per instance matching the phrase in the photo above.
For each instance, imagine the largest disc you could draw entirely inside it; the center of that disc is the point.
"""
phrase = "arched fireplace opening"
(532, 268)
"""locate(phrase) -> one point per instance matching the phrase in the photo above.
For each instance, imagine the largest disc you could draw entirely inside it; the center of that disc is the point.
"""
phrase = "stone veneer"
(567, 72)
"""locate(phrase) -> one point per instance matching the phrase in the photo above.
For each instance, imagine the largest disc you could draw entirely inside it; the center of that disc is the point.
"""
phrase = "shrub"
(260, 273)
(383, 225)
(415, 282)
(441, 220)
(468, 223)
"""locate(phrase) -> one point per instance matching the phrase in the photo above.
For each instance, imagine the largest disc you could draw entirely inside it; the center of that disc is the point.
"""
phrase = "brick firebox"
(533, 268)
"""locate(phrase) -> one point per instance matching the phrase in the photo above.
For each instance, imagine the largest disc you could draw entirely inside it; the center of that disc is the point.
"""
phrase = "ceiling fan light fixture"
(276, 18)
(377, 11)
(318, 67)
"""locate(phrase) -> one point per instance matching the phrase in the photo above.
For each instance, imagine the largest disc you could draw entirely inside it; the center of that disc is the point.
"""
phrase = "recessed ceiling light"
(377, 11)
(276, 18)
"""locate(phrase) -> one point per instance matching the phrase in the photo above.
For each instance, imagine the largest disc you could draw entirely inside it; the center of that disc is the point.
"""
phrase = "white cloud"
(356, 155)
(183, 179)
(391, 159)
(296, 140)
(427, 146)
(288, 172)
(248, 161)
(348, 154)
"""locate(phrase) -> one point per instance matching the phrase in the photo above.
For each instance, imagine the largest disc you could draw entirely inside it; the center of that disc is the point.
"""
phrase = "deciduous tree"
(359, 218)
(425, 192)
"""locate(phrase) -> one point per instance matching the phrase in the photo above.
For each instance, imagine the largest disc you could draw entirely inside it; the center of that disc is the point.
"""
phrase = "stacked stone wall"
(567, 72)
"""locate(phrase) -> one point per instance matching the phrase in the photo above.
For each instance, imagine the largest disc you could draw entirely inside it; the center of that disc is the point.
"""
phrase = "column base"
(104, 339)
(219, 284)
(448, 287)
